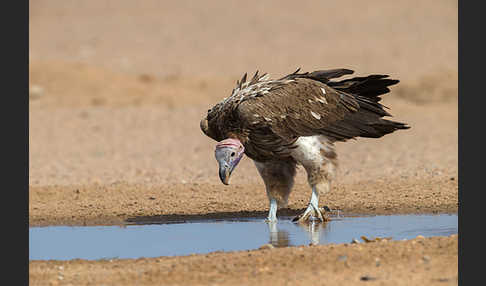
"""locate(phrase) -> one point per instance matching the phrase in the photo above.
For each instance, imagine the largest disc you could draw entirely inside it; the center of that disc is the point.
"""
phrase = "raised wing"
(300, 107)
(305, 106)
(269, 115)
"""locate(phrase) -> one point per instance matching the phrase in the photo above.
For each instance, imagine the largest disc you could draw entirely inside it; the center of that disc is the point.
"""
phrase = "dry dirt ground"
(117, 89)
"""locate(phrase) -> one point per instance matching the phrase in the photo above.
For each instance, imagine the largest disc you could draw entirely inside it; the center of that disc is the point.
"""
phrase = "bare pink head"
(228, 153)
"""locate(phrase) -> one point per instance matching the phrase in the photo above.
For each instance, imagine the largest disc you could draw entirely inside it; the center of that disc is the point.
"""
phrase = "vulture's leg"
(278, 177)
(312, 212)
(316, 154)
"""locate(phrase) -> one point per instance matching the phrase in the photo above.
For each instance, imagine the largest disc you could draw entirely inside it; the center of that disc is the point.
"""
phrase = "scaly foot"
(312, 214)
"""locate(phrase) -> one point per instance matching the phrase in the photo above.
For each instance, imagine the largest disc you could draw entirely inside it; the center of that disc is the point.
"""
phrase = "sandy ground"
(117, 90)
(431, 261)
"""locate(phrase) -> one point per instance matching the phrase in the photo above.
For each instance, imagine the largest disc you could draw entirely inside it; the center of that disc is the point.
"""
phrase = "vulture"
(295, 120)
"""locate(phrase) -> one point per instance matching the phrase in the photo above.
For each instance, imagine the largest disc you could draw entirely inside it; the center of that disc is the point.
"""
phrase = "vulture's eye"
(232, 154)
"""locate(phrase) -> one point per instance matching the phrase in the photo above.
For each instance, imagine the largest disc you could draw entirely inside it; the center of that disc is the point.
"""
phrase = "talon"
(296, 218)
(320, 215)
(326, 214)
(302, 218)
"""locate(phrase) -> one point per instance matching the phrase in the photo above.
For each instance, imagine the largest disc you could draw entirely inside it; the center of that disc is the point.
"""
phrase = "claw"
(312, 215)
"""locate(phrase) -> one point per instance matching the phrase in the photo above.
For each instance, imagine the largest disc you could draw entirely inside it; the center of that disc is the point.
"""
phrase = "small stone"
(426, 258)
(354, 240)
(365, 239)
(146, 78)
(377, 262)
(367, 278)
(35, 92)
(267, 246)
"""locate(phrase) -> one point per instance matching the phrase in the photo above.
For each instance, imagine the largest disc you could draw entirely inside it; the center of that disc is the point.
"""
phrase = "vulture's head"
(228, 154)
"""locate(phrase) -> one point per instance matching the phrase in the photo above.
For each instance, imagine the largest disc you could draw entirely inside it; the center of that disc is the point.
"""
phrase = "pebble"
(367, 278)
(266, 246)
(377, 261)
(35, 92)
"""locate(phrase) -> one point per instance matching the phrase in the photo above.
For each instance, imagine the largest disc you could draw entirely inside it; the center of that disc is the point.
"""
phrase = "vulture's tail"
(371, 86)
(368, 121)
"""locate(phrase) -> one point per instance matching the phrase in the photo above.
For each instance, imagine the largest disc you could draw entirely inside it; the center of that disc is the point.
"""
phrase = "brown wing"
(302, 107)
(269, 115)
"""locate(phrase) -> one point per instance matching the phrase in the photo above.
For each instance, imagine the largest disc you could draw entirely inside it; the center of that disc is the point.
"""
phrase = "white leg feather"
(316, 154)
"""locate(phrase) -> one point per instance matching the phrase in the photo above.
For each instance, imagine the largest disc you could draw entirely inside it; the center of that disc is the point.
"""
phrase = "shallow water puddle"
(135, 241)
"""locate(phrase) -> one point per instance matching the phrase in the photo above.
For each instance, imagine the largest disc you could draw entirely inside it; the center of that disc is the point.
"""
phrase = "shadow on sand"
(231, 216)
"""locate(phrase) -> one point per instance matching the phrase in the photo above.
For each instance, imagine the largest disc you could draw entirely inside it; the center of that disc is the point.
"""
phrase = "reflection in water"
(280, 238)
(314, 230)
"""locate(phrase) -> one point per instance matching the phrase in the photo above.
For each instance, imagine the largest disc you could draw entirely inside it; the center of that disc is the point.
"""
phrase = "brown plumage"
(269, 116)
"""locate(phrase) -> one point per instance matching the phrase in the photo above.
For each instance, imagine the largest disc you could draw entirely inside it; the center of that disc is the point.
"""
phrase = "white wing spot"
(283, 116)
(256, 115)
(323, 90)
(267, 119)
(309, 100)
(316, 115)
(321, 100)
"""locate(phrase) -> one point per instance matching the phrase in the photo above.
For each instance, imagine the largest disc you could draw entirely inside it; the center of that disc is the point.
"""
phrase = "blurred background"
(117, 88)
(408, 39)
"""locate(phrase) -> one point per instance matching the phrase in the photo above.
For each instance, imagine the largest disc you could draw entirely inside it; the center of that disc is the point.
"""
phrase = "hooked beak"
(224, 172)
(227, 160)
